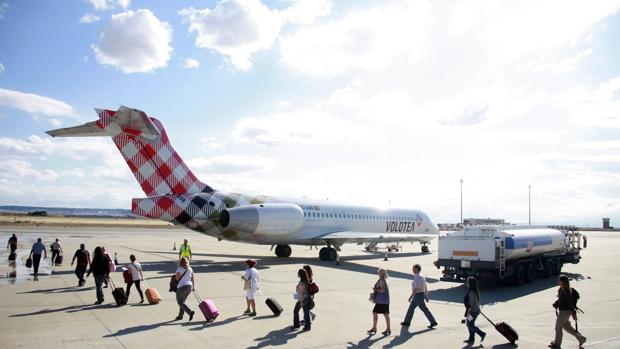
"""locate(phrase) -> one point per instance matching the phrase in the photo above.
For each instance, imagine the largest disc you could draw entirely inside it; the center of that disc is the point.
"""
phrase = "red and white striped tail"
(144, 144)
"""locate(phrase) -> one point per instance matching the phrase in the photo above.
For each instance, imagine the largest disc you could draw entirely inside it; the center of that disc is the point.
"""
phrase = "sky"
(388, 103)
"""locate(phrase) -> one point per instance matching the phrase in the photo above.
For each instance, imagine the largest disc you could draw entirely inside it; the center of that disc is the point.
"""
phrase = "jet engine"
(263, 218)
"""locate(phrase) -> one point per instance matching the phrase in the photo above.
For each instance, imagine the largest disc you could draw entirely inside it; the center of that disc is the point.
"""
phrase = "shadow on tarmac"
(275, 337)
(141, 328)
(69, 309)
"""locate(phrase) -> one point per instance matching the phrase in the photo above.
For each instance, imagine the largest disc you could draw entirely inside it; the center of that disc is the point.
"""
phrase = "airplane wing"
(361, 237)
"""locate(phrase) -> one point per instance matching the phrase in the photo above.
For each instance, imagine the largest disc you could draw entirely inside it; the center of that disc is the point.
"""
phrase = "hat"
(251, 263)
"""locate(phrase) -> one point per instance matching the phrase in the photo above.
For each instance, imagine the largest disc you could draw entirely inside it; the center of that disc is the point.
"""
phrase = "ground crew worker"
(185, 250)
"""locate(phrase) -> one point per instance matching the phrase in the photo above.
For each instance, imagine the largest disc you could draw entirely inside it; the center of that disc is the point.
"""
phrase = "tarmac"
(51, 311)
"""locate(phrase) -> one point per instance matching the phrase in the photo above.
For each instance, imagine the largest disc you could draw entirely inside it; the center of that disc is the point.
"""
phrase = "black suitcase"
(506, 330)
(275, 307)
(29, 262)
(12, 256)
(59, 259)
(119, 294)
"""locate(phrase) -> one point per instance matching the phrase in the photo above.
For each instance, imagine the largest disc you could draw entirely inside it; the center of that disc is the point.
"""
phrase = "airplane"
(174, 194)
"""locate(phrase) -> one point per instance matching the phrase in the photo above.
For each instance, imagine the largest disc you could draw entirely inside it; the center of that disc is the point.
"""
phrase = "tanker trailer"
(507, 253)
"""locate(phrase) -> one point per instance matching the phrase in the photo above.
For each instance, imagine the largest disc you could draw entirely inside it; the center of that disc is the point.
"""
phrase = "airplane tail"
(144, 144)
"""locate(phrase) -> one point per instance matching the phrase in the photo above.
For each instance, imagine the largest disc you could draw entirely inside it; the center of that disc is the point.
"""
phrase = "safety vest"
(185, 251)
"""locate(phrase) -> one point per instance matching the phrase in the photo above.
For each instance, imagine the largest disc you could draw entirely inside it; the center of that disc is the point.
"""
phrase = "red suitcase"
(127, 275)
(506, 330)
(208, 308)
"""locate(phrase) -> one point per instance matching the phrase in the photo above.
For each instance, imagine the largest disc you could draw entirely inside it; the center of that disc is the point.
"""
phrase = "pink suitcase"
(208, 308)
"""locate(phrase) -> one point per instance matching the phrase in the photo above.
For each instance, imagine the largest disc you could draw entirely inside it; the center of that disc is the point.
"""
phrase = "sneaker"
(246, 312)
(142, 301)
(484, 334)
(432, 325)
(98, 302)
(252, 313)
(406, 324)
(178, 318)
(581, 342)
(191, 315)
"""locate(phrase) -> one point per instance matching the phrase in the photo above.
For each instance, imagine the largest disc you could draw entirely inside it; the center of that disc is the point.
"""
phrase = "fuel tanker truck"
(507, 253)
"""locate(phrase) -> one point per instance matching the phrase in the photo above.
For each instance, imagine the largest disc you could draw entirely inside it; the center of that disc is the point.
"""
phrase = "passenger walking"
(136, 277)
(419, 294)
(35, 253)
(304, 301)
(565, 307)
(56, 250)
(98, 268)
(12, 244)
(108, 260)
(185, 286)
(185, 251)
(250, 285)
(381, 297)
(83, 262)
(308, 270)
(472, 310)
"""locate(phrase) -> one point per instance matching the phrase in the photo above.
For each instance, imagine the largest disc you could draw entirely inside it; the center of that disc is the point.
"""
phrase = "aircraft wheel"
(323, 253)
(331, 254)
(279, 250)
(283, 251)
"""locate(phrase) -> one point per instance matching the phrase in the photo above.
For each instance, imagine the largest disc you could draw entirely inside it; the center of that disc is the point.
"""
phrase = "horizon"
(362, 102)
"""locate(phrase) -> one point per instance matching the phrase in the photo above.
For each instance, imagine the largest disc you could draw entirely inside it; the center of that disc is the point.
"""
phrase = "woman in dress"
(381, 297)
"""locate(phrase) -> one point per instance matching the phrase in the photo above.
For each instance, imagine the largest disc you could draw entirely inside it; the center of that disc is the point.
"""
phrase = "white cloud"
(74, 173)
(135, 42)
(231, 164)
(367, 39)
(2, 70)
(23, 169)
(236, 29)
(213, 143)
(104, 5)
(32, 146)
(592, 106)
(3, 7)
(89, 18)
(190, 63)
(307, 11)
(34, 104)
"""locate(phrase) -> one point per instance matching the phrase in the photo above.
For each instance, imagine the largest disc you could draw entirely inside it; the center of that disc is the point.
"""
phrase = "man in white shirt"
(419, 294)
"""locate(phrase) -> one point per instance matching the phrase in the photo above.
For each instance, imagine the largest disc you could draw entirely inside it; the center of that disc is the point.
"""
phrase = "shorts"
(381, 309)
(249, 293)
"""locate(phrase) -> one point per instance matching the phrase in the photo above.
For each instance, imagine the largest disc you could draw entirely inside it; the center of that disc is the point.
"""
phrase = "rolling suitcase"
(275, 307)
(29, 262)
(12, 256)
(118, 293)
(59, 260)
(208, 308)
(152, 295)
(506, 330)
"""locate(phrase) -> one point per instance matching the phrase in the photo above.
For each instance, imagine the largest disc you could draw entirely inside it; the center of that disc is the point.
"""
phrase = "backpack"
(313, 288)
(575, 296)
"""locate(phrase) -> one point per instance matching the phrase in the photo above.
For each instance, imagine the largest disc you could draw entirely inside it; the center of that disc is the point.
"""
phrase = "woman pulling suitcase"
(185, 286)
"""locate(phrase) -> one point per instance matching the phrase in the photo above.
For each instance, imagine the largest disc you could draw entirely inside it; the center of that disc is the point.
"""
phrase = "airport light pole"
(529, 205)
(461, 200)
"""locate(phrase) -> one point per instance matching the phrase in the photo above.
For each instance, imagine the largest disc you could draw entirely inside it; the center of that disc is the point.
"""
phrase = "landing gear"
(283, 251)
(328, 254)
(425, 248)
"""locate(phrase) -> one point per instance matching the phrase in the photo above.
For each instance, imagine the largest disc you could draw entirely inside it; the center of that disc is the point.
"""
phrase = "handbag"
(247, 284)
(174, 282)
(371, 299)
(29, 262)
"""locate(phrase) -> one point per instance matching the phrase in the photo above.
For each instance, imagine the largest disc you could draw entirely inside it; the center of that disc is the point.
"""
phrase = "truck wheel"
(557, 267)
(527, 270)
(548, 268)
(519, 275)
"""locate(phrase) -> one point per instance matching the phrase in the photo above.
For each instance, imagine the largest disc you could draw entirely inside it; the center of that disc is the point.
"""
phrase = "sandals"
(371, 331)
(386, 333)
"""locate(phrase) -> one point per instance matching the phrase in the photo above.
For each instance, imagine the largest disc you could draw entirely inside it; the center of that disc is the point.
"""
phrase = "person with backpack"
(313, 288)
(304, 301)
(380, 296)
(98, 268)
(472, 310)
(566, 306)
(250, 285)
(136, 276)
(83, 262)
